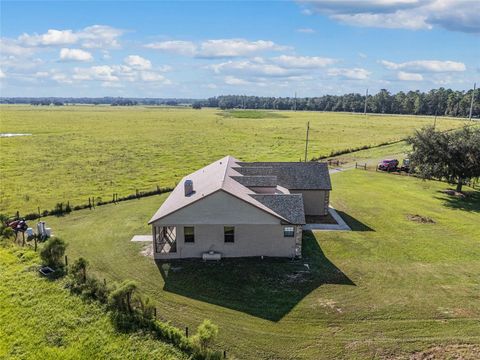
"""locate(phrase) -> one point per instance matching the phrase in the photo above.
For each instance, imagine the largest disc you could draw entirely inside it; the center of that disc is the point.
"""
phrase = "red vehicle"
(388, 165)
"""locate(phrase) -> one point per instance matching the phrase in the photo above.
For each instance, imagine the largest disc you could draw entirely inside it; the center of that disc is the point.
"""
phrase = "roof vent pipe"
(188, 185)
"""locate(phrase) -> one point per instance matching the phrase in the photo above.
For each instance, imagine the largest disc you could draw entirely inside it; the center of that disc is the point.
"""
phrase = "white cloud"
(51, 37)
(10, 47)
(2, 74)
(75, 55)
(351, 74)
(455, 15)
(236, 47)
(150, 76)
(251, 68)
(102, 73)
(61, 78)
(306, 30)
(406, 76)
(425, 66)
(186, 48)
(232, 80)
(41, 74)
(398, 20)
(303, 62)
(219, 48)
(138, 62)
(100, 36)
(95, 36)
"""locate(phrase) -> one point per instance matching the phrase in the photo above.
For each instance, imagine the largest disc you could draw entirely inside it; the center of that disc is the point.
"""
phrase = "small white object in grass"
(307, 266)
(12, 135)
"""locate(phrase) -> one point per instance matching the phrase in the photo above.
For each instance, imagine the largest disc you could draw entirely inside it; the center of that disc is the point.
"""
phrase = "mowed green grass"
(41, 320)
(389, 288)
(77, 152)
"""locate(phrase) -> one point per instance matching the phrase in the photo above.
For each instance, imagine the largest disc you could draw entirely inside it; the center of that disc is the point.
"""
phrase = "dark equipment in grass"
(46, 271)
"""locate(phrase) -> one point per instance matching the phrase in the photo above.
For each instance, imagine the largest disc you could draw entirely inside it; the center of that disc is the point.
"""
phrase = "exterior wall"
(257, 233)
(315, 202)
(250, 240)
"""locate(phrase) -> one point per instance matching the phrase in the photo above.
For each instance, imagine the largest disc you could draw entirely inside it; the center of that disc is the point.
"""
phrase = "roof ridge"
(228, 157)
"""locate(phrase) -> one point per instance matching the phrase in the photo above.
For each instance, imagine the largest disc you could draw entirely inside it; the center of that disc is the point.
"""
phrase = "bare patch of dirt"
(420, 219)
(445, 352)
(147, 250)
(452, 192)
(330, 304)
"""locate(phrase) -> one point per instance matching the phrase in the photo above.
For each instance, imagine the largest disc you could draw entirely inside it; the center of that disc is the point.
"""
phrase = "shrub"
(120, 299)
(79, 270)
(206, 334)
(53, 251)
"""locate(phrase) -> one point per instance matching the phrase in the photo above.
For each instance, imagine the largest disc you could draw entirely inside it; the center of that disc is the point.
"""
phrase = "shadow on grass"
(471, 201)
(267, 288)
(354, 224)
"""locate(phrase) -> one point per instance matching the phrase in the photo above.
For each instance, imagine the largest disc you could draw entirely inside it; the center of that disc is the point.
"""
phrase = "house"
(232, 208)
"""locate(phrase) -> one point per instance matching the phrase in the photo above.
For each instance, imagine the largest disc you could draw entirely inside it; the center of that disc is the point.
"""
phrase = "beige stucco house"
(232, 208)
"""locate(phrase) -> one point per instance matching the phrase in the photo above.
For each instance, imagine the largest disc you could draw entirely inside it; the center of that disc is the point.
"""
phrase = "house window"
(288, 231)
(229, 234)
(189, 234)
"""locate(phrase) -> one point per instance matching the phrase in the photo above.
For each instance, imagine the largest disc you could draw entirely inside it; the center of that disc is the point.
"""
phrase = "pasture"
(40, 320)
(77, 152)
(390, 288)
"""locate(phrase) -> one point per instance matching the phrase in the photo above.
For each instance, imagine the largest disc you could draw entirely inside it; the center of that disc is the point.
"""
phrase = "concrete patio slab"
(341, 225)
(142, 238)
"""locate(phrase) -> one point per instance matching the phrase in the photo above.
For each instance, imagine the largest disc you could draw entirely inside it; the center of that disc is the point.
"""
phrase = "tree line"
(443, 102)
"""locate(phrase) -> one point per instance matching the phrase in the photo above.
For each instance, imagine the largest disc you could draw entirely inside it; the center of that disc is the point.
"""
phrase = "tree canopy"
(443, 102)
(453, 156)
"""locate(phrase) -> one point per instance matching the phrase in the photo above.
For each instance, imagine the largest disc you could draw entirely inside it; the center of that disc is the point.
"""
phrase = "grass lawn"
(391, 287)
(41, 320)
(77, 152)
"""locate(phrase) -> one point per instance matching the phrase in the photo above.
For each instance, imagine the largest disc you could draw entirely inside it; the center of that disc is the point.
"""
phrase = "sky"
(198, 49)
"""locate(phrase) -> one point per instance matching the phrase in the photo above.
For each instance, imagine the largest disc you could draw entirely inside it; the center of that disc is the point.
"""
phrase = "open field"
(76, 152)
(40, 320)
(391, 287)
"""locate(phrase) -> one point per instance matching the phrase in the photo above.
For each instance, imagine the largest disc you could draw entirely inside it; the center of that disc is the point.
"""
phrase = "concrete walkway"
(142, 238)
(341, 225)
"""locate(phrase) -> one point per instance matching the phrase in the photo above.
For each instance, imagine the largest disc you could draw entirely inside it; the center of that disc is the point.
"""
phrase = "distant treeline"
(114, 101)
(440, 101)
(437, 101)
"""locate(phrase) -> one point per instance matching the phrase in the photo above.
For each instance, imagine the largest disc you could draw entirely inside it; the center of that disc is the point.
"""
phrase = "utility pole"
(295, 102)
(471, 102)
(365, 107)
(306, 141)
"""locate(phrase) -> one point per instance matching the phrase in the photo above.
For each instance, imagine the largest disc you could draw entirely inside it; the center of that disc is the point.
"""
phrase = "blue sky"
(200, 49)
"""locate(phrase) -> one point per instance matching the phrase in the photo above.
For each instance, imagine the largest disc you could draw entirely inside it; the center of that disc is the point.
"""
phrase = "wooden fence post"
(186, 331)
(66, 260)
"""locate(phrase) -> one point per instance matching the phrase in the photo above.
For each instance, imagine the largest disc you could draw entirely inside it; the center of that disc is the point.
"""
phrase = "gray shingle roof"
(292, 175)
(290, 206)
(238, 178)
(256, 181)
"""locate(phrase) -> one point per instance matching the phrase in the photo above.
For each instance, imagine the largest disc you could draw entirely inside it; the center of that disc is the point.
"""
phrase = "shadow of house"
(471, 201)
(267, 288)
(354, 224)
